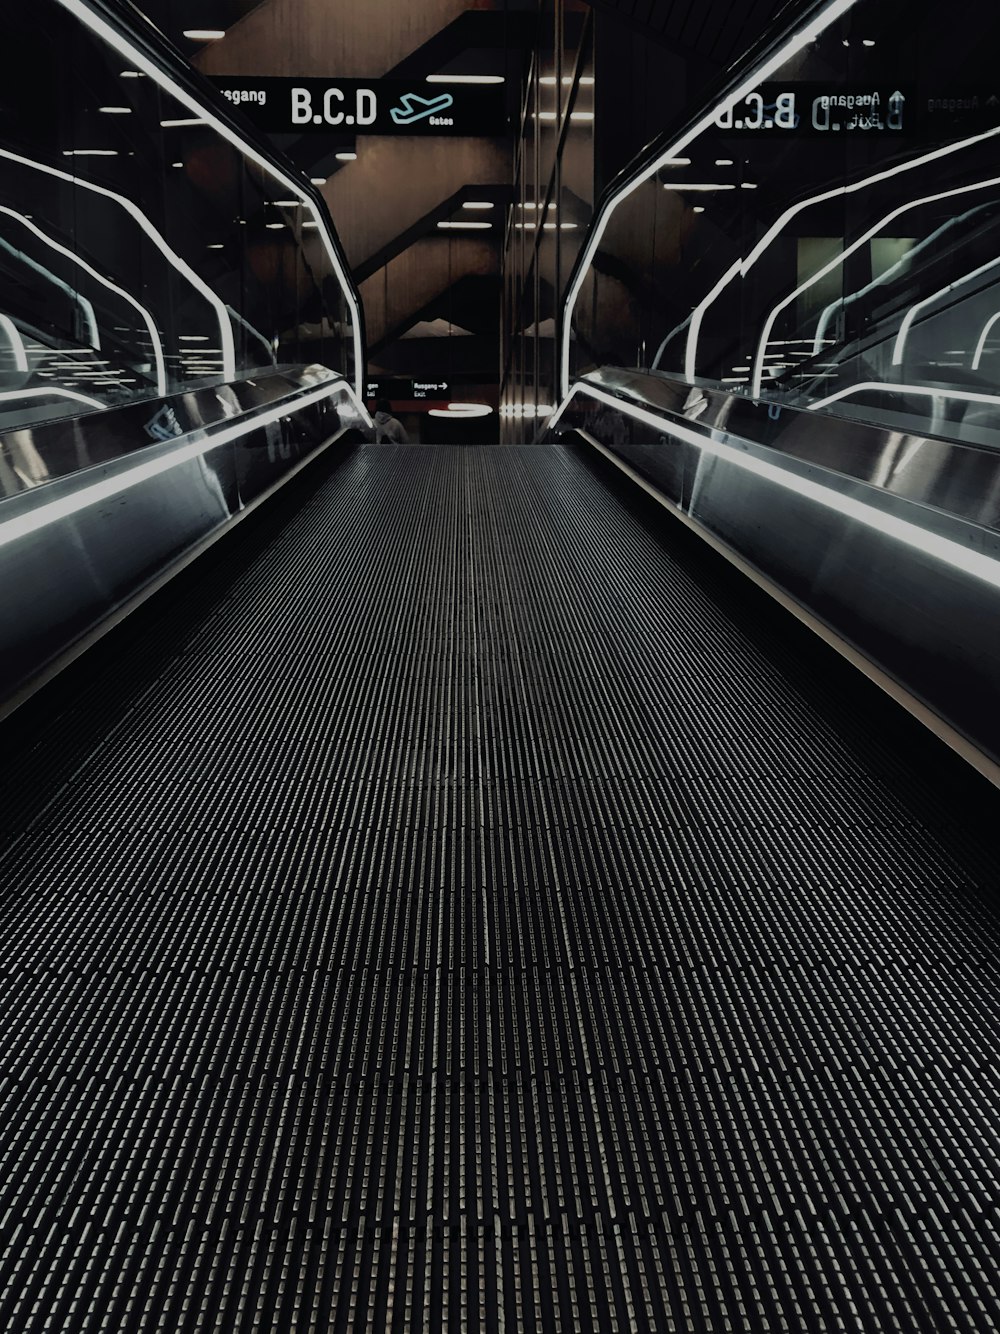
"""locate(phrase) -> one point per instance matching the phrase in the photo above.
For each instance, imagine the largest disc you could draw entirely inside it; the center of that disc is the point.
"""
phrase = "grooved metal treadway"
(460, 911)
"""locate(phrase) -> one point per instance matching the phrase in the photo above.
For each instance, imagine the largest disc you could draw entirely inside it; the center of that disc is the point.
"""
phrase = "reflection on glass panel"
(553, 196)
(144, 248)
(830, 236)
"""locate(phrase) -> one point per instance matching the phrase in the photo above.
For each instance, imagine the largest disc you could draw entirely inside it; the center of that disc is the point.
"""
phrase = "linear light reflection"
(16, 342)
(15, 395)
(849, 250)
(169, 254)
(901, 530)
(742, 267)
(102, 29)
(806, 34)
(97, 492)
(963, 395)
(981, 345)
(59, 248)
(899, 350)
(883, 279)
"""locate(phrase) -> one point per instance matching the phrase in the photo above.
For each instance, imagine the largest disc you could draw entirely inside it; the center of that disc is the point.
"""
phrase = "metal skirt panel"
(63, 579)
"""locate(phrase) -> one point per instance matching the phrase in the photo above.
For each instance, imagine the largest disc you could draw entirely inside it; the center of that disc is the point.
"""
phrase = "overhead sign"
(366, 106)
(407, 389)
(809, 108)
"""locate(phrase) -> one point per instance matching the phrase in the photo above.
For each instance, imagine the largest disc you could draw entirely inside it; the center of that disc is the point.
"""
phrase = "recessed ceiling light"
(581, 115)
(132, 74)
(478, 226)
(177, 164)
(684, 185)
(723, 161)
(181, 120)
(867, 41)
(215, 245)
(204, 34)
(192, 338)
(749, 185)
(464, 78)
(116, 111)
(477, 203)
(698, 208)
(677, 162)
(275, 226)
(317, 180)
(346, 157)
(287, 203)
(90, 152)
(462, 410)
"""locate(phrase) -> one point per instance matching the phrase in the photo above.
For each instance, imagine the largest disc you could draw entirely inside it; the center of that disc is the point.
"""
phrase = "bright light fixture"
(464, 78)
(462, 410)
(116, 111)
(275, 226)
(683, 185)
(90, 152)
(341, 157)
(286, 203)
(204, 34)
(179, 121)
(467, 226)
(477, 203)
(317, 180)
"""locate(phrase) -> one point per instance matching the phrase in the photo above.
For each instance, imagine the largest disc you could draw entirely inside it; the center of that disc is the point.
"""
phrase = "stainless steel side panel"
(71, 557)
(932, 625)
